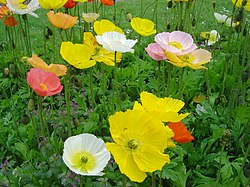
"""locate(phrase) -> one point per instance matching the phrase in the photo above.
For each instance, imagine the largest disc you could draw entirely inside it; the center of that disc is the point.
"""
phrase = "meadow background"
(219, 155)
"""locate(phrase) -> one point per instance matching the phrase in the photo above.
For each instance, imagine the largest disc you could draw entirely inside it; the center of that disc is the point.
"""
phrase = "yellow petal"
(150, 159)
(126, 163)
(78, 55)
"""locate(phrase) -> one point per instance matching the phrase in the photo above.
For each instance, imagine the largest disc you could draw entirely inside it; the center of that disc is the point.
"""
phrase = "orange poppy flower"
(181, 133)
(9, 20)
(70, 4)
(44, 83)
(62, 21)
(57, 69)
(108, 2)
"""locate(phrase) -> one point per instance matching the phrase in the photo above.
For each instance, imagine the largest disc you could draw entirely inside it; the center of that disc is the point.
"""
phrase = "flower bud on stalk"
(129, 17)
(6, 72)
(31, 105)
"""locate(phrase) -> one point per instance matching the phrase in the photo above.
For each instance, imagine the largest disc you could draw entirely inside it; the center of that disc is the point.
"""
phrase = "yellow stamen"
(84, 161)
(188, 58)
(44, 87)
(176, 45)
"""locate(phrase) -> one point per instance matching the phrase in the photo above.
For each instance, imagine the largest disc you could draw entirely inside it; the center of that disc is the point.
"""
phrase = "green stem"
(243, 164)
(159, 77)
(153, 180)
(218, 174)
(67, 100)
(91, 88)
(170, 68)
(41, 115)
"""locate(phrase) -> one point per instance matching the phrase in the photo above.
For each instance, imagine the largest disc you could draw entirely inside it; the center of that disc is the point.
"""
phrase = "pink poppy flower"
(177, 42)
(155, 51)
(44, 83)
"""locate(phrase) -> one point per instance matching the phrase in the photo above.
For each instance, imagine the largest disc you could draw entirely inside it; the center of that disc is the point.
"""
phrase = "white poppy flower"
(214, 36)
(114, 41)
(85, 154)
(225, 20)
(19, 7)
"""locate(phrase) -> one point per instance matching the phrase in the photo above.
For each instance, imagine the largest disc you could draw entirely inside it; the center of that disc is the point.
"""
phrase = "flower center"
(188, 58)
(84, 161)
(44, 87)
(133, 144)
(176, 45)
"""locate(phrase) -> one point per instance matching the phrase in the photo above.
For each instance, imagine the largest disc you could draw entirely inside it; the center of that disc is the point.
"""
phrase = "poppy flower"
(44, 83)
(108, 2)
(181, 133)
(114, 41)
(144, 27)
(77, 55)
(19, 7)
(3, 1)
(70, 4)
(85, 154)
(100, 54)
(212, 37)
(57, 69)
(177, 42)
(105, 25)
(227, 20)
(60, 20)
(139, 143)
(52, 4)
(239, 3)
(9, 20)
(166, 109)
(155, 51)
(194, 60)
(90, 17)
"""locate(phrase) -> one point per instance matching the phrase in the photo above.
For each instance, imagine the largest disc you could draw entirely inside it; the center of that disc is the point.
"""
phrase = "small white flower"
(21, 8)
(214, 36)
(114, 41)
(200, 109)
(85, 154)
(225, 19)
(90, 17)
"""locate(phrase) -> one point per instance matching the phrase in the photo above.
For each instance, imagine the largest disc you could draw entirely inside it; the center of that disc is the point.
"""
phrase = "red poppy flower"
(181, 133)
(108, 2)
(44, 83)
(70, 4)
(90, 0)
(9, 20)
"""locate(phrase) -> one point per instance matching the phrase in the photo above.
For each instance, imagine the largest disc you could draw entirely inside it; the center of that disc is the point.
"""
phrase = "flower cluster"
(179, 49)
(140, 136)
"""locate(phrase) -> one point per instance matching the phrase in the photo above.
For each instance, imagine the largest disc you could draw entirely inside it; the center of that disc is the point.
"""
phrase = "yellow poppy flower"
(194, 60)
(143, 27)
(166, 109)
(3, 1)
(52, 4)
(78, 55)
(99, 53)
(57, 69)
(104, 25)
(238, 3)
(139, 141)
(61, 21)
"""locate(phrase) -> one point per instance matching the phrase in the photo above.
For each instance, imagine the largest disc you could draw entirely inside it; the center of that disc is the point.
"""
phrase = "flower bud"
(244, 2)
(6, 72)
(31, 105)
(239, 15)
(76, 122)
(12, 68)
(214, 4)
(129, 17)
(170, 4)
